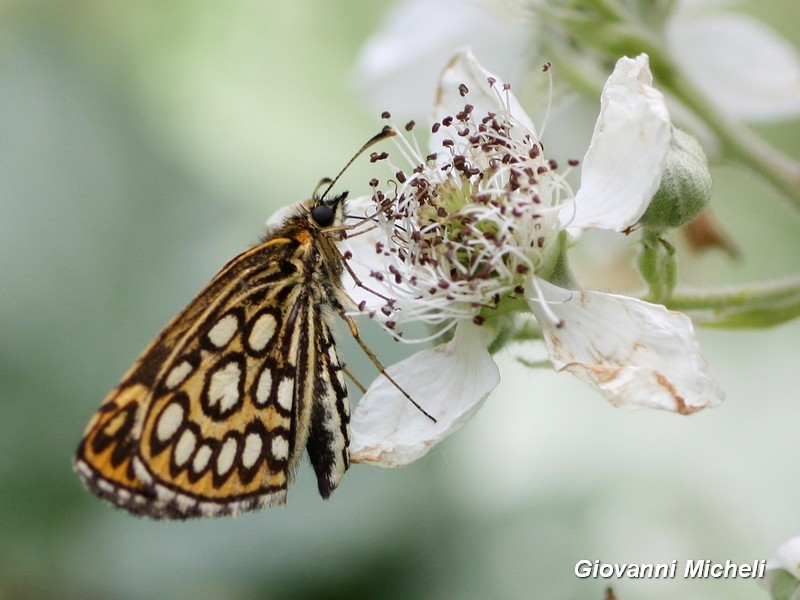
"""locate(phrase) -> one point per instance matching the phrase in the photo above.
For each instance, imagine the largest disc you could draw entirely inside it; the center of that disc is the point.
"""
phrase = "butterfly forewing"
(215, 414)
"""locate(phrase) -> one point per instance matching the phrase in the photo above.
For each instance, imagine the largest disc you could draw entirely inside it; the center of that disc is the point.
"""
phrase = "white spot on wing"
(178, 374)
(84, 469)
(262, 331)
(280, 447)
(285, 393)
(226, 455)
(184, 503)
(252, 450)
(340, 379)
(223, 330)
(264, 386)
(200, 461)
(346, 407)
(223, 389)
(334, 360)
(185, 447)
(169, 421)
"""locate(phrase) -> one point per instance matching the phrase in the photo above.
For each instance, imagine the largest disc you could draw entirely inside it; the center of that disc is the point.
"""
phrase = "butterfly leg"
(381, 369)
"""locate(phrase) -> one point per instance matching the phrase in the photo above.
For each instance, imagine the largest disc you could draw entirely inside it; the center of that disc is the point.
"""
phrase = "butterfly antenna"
(387, 132)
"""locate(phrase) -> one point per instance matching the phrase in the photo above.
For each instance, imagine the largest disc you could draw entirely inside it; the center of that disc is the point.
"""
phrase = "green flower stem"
(519, 328)
(657, 265)
(753, 305)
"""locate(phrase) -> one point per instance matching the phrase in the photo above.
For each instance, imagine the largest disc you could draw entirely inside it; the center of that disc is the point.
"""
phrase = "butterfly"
(214, 416)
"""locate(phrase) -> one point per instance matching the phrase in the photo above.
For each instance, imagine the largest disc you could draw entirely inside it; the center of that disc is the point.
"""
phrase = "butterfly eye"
(323, 215)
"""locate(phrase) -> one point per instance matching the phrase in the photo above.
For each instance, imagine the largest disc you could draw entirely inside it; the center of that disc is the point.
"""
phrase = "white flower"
(783, 571)
(749, 70)
(476, 230)
(787, 557)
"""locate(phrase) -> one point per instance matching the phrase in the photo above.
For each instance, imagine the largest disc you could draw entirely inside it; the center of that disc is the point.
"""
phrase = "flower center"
(472, 221)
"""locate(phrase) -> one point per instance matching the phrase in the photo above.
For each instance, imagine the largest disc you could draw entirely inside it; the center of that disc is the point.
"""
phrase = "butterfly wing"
(213, 417)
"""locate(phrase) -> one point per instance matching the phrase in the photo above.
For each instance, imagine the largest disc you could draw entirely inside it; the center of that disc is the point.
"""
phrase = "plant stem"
(762, 304)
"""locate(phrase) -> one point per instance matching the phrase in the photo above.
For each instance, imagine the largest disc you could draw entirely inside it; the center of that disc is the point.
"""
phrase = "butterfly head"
(321, 210)
(328, 211)
(317, 212)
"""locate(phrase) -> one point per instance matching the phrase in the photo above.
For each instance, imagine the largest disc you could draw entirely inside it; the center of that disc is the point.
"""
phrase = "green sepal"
(747, 306)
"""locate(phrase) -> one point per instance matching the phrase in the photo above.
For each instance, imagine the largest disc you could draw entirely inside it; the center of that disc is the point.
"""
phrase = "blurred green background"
(142, 145)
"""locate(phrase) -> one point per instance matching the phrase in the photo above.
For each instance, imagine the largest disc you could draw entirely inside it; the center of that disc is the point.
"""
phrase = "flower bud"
(685, 185)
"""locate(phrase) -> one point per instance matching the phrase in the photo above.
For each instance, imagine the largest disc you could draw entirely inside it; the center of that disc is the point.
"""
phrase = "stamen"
(538, 297)
(466, 226)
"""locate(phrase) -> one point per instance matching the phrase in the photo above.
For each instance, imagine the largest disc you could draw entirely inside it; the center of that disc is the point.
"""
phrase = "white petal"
(365, 259)
(399, 66)
(622, 169)
(465, 69)
(787, 557)
(748, 70)
(637, 354)
(450, 382)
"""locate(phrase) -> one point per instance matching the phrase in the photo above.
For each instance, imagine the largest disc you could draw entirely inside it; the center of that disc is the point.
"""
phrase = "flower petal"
(450, 382)
(366, 260)
(749, 70)
(622, 168)
(398, 66)
(787, 557)
(637, 354)
(464, 69)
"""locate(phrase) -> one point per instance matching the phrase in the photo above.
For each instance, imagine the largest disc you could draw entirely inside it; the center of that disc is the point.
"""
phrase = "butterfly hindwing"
(329, 432)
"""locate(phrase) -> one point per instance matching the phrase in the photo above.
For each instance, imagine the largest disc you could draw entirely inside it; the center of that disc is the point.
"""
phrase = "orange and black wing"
(214, 416)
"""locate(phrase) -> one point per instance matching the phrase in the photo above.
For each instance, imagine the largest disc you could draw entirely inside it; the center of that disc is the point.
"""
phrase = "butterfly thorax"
(317, 254)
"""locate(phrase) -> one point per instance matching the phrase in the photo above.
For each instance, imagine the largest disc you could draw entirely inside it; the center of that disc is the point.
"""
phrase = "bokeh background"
(143, 144)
